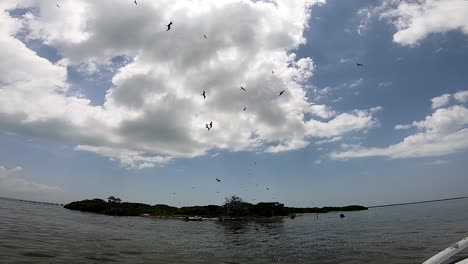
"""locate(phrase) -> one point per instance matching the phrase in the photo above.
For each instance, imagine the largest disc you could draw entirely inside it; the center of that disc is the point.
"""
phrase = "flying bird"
(58, 6)
(208, 127)
(273, 72)
(242, 88)
(204, 96)
(205, 36)
(282, 92)
(218, 180)
(135, 2)
(169, 26)
(211, 124)
(360, 65)
(268, 188)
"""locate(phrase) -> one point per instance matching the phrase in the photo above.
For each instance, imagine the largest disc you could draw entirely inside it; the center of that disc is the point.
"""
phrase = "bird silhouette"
(58, 6)
(205, 36)
(204, 96)
(242, 88)
(245, 108)
(169, 26)
(268, 189)
(360, 65)
(211, 124)
(208, 127)
(135, 2)
(218, 180)
(273, 72)
(282, 92)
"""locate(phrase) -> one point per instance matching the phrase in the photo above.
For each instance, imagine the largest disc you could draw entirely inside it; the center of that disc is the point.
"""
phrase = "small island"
(234, 208)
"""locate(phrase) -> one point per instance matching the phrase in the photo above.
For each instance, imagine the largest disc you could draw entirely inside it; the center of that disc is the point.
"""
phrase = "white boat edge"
(449, 252)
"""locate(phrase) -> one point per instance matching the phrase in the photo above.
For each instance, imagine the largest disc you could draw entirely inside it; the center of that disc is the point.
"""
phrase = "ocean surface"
(38, 233)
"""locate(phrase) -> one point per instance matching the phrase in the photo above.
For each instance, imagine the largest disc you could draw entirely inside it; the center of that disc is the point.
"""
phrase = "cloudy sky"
(97, 98)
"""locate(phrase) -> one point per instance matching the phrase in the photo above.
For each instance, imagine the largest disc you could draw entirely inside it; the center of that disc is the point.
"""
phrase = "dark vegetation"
(234, 207)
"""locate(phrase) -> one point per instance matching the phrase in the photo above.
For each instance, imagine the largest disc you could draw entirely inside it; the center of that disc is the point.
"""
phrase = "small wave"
(37, 255)
(134, 253)
(101, 259)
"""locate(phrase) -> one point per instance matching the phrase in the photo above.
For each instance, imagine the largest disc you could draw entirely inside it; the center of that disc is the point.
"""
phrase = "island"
(234, 208)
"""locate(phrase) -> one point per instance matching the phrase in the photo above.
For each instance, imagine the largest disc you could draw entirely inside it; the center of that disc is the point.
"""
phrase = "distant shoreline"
(420, 202)
(244, 211)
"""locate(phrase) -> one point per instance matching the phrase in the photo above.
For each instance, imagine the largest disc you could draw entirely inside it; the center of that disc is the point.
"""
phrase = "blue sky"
(108, 112)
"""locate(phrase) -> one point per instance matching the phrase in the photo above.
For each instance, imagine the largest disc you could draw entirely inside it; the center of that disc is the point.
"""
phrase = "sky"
(98, 98)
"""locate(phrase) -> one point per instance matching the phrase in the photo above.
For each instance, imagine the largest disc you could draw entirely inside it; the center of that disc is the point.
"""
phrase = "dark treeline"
(233, 207)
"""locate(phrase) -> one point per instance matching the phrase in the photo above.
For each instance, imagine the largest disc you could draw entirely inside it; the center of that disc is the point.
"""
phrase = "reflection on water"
(34, 233)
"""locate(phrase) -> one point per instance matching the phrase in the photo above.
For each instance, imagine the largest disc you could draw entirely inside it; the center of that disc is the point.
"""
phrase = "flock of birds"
(209, 126)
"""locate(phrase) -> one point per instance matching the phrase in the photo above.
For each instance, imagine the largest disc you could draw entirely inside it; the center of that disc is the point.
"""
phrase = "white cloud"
(356, 83)
(442, 133)
(154, 112)
(461, 96)
(439, 101)
(415, 20)
(365, 15)
(384, 84)
(10, 182)
(322, 111)
(402, 127)
(335, 139)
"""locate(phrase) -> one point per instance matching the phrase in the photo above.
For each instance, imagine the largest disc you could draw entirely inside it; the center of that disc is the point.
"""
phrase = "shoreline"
(240, 212)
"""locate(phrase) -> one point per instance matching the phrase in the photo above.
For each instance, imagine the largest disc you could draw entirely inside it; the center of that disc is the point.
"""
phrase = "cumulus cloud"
(365, 15)
(10, 182)
(442, 133)
(440, 101)
(461, 96)
(415, 20)
(322, 111)
(153, 110)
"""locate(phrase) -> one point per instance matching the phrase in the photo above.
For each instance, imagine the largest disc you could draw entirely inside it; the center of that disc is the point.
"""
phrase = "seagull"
(245, 108)
(204, 96)
(136, 2)
(58, 6)
(282, 92)
(208, 127)
(205, 36)
(211, 124)
(218, 180)
(242, 88)
(360, 65)
(169, 26)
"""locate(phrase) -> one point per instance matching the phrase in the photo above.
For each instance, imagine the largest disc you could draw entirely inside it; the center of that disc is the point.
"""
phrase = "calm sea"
(36, 233)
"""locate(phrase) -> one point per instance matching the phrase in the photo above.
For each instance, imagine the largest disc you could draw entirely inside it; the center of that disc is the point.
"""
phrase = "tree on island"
(236, 207)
